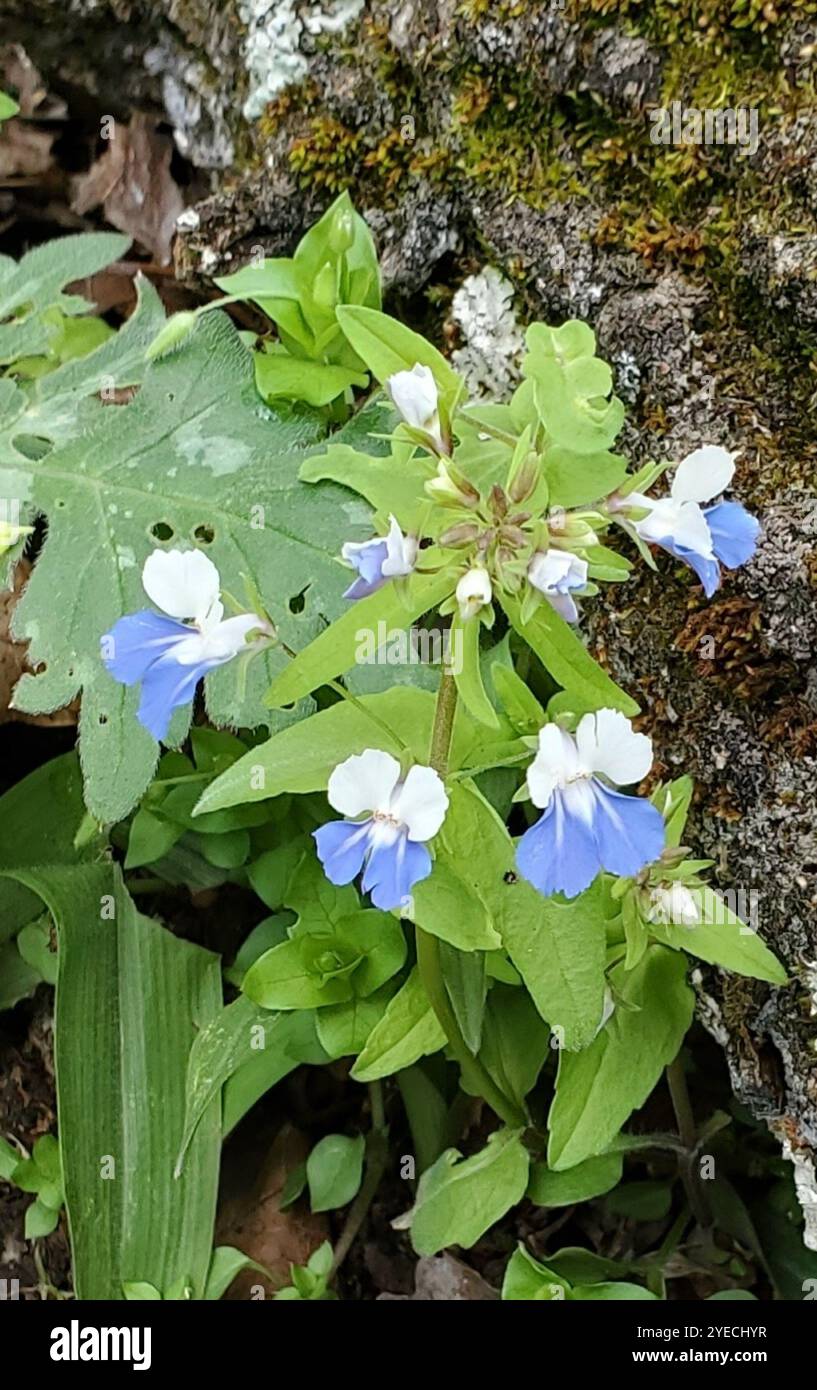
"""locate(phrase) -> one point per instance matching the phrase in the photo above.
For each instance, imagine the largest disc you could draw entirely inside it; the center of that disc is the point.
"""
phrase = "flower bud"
(342, 231)
(674, 904)
(465, 533)
(414, 395)
(473, 592)
(524, 481)
(174, 331)
(451, 489)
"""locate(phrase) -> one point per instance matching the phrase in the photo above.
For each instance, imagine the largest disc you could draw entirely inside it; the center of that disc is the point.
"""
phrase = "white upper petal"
(682, 522)
(183, 583)
(415, 395)
(401, 551)
(420, 803)
(364, 782)
(703, 474)
(219, 642)
(608, 744)
(556, 760)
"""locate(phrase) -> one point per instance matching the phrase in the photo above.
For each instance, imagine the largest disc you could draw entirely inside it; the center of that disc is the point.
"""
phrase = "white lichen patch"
(805, 1183)
(272, 47)
(489, 359)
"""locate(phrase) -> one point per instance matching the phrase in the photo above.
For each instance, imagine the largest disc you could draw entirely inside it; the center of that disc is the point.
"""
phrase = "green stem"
(681, 1104)
(443, 724)
(428, 946)
(377, 1153)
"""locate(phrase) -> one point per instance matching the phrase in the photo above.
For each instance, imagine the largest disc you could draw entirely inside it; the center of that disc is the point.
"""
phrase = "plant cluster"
(463, 874)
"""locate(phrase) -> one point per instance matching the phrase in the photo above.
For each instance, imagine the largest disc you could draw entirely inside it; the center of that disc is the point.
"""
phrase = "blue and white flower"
(586, 825)
(555, 573)
(725, 534)
(170, 651)
(388, 844)
(380, 559)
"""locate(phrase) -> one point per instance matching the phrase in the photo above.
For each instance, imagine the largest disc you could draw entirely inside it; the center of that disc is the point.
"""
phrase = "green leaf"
(528, 1280)
(342, 644)
(226, 1263)
(58, 406)
(387, 346)
(8, 106)
(46, 1155)
(150, 837)
(447, 905)
(517, 700)
(9, 1159)
(344, 1029)
(459, 1199)
(576, 479)
(296, 1042)
(467, 674)
(130, 999)
(302, 757)
(279, 376)
(35, 283)
(353, 956)
(40, 1220)
(139, 1291)
(18, 980)
(207, 457)
(618, 1292)
(391, 483)
(640, 1201)
(515, 1041)
(597, 1089)
(268, 933)
(565, 657)
(673, 801)
(40, 821)
(231, 1036)
(591, 1178)
(466, 986)
(407, 1031)
(558, 948)
(721, 938)
(318, 903)
(572, 386)
(334, 1170)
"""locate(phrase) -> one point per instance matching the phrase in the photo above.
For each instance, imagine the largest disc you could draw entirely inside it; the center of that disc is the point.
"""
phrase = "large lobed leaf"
(199, 457)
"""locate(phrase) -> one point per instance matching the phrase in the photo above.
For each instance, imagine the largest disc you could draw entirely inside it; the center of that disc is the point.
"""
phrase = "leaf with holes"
(194, 460)
(40, 414)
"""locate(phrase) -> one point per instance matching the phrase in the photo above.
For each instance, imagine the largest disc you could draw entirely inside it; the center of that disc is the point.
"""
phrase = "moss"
(326, 157)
